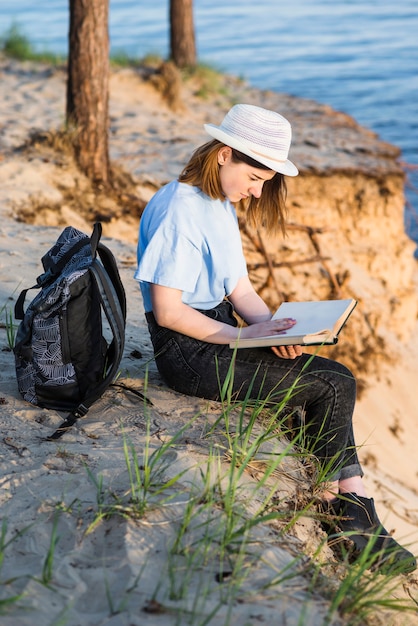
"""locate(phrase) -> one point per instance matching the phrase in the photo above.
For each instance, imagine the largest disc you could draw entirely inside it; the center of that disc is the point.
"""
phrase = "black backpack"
(66, 351)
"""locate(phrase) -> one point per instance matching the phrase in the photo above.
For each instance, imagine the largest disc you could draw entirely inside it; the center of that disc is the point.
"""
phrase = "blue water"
(359, 57)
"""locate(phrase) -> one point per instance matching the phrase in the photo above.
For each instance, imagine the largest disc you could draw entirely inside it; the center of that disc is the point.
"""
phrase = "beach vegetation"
(7, 319)
(48, 566)
(122, 59)
(230, 516)
(120, 604)
(7, 322)
(149, 487)
(208, 78)
(10, 328)
(16, 45)
(148, 474)
(361, 592)
(6, 600)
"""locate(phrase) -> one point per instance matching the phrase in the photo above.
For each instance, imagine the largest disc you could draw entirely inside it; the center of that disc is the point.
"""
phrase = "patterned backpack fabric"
(70, 339)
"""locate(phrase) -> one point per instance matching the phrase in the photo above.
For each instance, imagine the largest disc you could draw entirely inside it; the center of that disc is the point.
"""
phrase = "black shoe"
(356, 517)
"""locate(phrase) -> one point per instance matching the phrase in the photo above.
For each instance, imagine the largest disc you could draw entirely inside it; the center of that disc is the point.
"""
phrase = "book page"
(325, 316)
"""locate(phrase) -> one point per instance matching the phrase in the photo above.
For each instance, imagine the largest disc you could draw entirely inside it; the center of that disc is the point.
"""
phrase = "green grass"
(9, 600)
(120, 58)
(148, 486)
(227, 510)
(209, 78)
(8, 324)
(16, 45)
(7, 320)
(225, 516)
(48, 566)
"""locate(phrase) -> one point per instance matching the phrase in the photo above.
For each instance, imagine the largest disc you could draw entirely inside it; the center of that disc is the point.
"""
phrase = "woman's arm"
(171, 312)
(248, 303)
(253, 309)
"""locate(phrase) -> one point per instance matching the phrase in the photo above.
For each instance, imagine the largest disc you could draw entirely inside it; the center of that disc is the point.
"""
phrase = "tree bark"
(88, 86)
(182, 34)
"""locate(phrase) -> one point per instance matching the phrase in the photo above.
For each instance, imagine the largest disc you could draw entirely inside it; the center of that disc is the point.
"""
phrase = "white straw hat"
(261, 134)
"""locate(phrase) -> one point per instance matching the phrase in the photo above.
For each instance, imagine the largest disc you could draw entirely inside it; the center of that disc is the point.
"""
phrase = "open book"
(317, 323)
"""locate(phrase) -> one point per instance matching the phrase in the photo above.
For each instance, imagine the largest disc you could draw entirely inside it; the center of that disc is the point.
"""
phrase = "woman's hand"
(287, 352)
(275, 327)
(268, 327)
(253, 310)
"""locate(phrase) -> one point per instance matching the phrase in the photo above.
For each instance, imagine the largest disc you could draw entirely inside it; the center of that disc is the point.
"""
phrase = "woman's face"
(239, 180)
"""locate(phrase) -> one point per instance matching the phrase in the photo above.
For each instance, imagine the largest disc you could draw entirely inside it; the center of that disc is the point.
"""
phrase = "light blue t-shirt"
(189, 242)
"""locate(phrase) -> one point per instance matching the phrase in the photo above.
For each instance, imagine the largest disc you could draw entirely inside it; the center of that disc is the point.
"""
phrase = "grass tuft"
(16, 45)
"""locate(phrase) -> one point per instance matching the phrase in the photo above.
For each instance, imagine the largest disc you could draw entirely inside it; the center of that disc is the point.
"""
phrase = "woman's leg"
(326, 391)
(352, 485)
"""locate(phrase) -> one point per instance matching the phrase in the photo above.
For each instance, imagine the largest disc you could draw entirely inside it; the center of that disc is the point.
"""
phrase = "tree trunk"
(88, 86)
(182, 35)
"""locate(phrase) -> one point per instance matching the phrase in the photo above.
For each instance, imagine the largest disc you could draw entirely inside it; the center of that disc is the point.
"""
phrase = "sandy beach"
(72, 551)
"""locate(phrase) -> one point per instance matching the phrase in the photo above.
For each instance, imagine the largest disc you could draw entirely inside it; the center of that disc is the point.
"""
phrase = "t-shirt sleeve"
(170, 259)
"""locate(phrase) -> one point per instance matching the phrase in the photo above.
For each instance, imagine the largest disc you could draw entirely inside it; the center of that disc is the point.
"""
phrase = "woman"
(193, 276)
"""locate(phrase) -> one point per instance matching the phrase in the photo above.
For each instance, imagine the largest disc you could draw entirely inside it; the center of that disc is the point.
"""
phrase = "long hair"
(268, 211)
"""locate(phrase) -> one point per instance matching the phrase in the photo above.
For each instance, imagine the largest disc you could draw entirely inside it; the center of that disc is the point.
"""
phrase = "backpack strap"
(95, 238)
(113, 301)
(108, 260)
(69, 421)
(109, 263)
(20, 302)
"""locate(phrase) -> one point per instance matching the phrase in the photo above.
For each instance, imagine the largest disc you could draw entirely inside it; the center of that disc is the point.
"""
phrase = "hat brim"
(283, 167)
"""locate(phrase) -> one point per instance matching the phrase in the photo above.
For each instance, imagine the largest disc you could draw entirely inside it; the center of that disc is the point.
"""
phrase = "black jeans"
(325, 389)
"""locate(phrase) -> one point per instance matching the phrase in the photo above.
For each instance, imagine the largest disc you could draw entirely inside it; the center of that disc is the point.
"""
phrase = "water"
(359, 57)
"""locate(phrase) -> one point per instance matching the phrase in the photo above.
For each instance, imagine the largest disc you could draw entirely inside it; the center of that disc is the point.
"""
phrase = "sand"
(123, 570)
